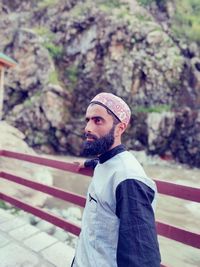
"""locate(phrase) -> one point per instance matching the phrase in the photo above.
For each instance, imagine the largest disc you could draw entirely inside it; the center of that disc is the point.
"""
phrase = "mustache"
(88, 135)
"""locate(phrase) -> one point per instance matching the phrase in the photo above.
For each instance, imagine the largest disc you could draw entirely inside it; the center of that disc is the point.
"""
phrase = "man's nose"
(88, 127)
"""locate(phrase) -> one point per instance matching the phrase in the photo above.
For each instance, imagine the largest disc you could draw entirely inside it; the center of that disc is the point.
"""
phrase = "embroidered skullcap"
(115, 104)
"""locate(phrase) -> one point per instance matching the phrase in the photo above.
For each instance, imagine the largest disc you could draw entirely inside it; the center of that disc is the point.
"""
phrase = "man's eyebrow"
(94, 118)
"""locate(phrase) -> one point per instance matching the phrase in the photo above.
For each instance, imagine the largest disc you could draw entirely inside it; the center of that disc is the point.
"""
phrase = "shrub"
(186, 21)
(54, 50)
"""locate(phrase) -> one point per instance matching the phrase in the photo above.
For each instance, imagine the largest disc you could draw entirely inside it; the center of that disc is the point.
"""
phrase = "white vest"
(98, 239)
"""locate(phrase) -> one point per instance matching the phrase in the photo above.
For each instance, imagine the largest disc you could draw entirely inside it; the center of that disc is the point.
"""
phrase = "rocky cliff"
(69, 50)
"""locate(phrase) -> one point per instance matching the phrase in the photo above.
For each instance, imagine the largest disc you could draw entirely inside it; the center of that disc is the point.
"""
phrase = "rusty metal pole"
(2, 70)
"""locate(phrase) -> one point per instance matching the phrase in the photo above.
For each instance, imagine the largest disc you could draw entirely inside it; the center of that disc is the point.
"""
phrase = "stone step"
(24, 245)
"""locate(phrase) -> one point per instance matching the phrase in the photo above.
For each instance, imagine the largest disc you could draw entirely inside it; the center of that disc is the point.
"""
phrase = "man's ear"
(120, 128)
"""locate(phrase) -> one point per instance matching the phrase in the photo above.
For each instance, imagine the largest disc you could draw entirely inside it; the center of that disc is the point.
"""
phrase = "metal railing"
(166, 188)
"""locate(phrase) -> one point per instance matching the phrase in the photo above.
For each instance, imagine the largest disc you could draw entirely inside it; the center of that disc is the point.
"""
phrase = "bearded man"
(118, 224)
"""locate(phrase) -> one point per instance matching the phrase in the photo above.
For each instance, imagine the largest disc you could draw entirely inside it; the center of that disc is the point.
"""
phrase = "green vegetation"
(124, 13)
(111, 4)
(72, 74)
(30, 101)
(145, 2)
(54, 50)
(186, 21)
(143, 17)
(157, 109)
(46, 3)
(121, 11)
(45, 33)
(53, 77)
(47, 41)
(80, 9)
(149, 2)
(186, 18)
(5, 206)
(118, 10)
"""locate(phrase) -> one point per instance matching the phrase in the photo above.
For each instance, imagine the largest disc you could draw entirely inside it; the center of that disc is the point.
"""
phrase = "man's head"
(107, 117)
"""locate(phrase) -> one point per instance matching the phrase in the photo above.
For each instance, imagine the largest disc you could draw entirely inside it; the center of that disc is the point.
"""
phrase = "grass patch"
(157, 109)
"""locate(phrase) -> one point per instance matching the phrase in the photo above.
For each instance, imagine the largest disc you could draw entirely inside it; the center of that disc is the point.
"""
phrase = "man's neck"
(111, 153)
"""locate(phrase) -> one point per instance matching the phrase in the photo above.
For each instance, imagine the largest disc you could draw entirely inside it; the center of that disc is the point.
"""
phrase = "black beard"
(99, 145)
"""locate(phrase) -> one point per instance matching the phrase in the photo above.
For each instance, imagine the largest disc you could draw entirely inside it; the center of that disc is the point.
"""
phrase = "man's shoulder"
(127, 163)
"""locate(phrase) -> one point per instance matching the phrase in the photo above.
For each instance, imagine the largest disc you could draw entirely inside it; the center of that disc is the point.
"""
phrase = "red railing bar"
(54, 191)
(179, 191)
(71, 167)
(70, 227)
(67, 226)
(180, 235)
(169, 231)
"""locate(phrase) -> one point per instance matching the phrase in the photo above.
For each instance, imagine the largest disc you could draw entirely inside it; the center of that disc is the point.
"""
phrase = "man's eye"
(97, 120)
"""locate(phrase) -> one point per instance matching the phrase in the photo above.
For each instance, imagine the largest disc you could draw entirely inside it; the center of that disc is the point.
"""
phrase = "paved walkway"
(23, 245)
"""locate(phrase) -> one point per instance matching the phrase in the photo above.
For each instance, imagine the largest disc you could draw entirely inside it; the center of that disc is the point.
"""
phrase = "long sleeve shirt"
(118, 226)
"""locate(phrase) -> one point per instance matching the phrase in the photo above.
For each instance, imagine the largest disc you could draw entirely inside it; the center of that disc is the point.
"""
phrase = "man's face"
(99, 131)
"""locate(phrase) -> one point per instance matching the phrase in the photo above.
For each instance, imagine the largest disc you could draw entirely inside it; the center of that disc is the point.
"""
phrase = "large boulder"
(12, 139)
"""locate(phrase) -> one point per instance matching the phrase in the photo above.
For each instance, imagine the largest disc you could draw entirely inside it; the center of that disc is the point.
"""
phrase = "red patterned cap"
(115, 104)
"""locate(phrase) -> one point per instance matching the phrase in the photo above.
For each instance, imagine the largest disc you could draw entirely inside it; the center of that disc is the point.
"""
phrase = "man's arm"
(91, 163)
(137, 242)
(88, 163)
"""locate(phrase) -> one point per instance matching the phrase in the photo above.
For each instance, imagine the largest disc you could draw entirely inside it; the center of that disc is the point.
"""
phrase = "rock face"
(12, 139)
(68, 51)
(175, 134)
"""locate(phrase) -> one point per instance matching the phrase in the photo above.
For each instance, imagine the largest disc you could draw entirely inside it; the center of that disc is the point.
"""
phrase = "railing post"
(1, 90)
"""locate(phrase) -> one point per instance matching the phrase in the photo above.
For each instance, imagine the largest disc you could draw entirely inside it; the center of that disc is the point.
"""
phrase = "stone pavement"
(23, 245)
